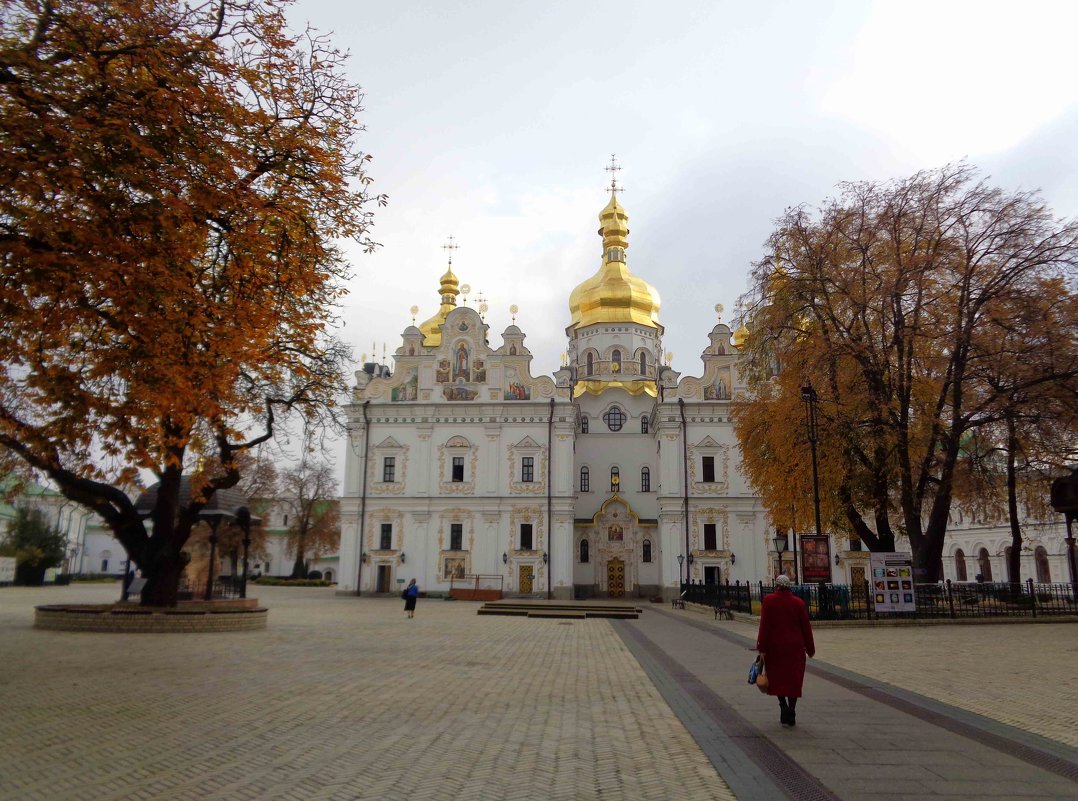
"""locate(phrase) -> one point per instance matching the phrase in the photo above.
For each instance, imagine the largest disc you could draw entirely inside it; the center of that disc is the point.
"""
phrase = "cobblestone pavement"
(339, 699)
(1021, 674)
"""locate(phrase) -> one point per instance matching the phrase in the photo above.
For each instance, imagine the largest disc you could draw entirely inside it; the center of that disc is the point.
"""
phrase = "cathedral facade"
(615, 477)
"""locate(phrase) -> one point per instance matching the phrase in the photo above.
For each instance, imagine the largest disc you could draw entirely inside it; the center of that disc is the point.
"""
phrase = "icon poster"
(891, 572)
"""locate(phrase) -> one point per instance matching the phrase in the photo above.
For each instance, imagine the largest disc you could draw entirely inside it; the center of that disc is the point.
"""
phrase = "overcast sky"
(493, 121)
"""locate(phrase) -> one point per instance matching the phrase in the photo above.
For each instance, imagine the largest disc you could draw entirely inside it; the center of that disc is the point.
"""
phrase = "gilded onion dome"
(614, 295)
(740, 335)
(432, 328)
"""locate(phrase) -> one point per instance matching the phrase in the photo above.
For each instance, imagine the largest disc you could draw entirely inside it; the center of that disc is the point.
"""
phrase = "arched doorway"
(1044, 573)
(984, 564)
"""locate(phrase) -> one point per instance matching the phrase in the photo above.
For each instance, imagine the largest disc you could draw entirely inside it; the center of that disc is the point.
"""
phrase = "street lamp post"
(213, 518)
(780, 542)
(680, 562)
(243, 518)
(808, 395)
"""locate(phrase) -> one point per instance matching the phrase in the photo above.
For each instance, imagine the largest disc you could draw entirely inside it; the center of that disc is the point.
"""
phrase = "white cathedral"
(616, 477)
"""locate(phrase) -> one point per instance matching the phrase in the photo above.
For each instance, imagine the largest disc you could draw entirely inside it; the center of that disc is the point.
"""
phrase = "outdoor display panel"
(815, 559)
(892, 582)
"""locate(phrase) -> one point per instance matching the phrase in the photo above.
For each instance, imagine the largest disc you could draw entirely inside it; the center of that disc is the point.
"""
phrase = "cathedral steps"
(574, 611)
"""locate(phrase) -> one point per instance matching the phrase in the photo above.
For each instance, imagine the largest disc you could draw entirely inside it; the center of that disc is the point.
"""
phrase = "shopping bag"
(754, 670)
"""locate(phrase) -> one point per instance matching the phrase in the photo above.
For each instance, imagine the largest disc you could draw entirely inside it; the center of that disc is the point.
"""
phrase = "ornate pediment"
(388, 442)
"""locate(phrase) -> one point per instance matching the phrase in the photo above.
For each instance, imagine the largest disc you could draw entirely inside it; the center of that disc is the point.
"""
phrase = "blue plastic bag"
(754, 670)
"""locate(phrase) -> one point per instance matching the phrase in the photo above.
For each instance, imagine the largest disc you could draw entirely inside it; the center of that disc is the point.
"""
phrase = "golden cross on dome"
(450, 246)
(614, 169)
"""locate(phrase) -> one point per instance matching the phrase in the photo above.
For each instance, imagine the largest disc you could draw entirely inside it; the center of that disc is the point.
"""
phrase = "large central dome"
(614, 295)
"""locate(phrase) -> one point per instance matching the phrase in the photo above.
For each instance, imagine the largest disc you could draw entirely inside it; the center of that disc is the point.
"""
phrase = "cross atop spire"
(450, 246)
(614, 169)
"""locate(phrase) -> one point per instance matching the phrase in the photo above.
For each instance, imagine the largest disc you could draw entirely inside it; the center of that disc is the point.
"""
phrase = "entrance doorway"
(711, 574)
(615, 578)
(383, 578)
(857, 583)
(526, 574)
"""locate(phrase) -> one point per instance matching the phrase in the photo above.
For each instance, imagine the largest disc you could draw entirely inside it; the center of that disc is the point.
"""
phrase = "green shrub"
(266, 581)
(35, 545)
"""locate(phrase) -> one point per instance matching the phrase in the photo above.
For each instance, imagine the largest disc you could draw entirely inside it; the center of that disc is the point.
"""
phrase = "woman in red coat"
(784, 639)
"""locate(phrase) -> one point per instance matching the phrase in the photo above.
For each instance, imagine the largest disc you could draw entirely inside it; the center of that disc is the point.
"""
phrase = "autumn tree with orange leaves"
(922, 311)
(175, 180)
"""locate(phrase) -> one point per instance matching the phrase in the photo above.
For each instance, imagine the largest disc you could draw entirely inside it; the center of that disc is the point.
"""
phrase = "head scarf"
(783, 582)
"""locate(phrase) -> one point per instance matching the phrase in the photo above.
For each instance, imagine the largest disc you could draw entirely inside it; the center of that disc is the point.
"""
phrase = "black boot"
(791, 714)
(784, 712)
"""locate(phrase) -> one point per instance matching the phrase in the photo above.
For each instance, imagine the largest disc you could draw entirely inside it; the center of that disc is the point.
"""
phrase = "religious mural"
(461, 361)
(459, 392)
(441, 375)
(479, 371)
(717, 391)
(615, 534)
(454, 567)
(408, 391)
(516, 390)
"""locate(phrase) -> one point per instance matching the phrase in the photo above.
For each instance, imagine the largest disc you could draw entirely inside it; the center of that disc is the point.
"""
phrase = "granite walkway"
(342, 699)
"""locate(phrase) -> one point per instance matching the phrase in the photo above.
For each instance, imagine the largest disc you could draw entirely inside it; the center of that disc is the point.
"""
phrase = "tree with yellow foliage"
(176, 177)
(883, 301)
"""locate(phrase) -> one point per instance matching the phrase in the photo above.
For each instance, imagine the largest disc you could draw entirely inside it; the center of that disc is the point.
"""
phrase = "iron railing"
(855, 602)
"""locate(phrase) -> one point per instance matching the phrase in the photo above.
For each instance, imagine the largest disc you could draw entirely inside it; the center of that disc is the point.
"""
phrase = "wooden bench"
(677, 603)
(723, 612)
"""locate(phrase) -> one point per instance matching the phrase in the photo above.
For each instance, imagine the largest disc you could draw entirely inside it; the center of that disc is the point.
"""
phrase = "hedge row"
(279, 582)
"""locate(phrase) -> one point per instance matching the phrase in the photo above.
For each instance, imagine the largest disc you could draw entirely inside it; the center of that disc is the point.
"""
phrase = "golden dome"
(432, 328)
(614, 295)
(740, 335)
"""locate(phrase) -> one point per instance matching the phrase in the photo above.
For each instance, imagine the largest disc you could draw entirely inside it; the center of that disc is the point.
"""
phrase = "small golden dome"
(740, 335)
(432, 328)
(614, 295)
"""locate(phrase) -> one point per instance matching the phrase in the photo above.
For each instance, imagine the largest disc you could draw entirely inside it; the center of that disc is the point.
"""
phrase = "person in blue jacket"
(410, 594)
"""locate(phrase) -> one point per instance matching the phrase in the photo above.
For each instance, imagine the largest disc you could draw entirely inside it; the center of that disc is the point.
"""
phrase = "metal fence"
(943, 600)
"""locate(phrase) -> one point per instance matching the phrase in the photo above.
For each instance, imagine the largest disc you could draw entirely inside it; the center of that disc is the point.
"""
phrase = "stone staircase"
(572, 610)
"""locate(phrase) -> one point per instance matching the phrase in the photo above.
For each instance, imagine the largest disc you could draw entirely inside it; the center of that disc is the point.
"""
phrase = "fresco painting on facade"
(442, 373)
(408, 390)
(455, 567)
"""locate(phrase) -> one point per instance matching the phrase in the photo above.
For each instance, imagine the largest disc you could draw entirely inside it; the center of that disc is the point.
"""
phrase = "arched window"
(645, 479)
(583, 550)
(585, 480)
(643, 363)
(615, 358)
(647, 551)
(1007, 564)
(644, 424)
(591, 365)
(615, 479)
(614, 419)
(984, 565)
(960, 565)
(1044, 573)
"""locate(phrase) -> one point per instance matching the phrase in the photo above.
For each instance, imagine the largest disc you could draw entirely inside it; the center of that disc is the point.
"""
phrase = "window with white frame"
(458, 468)
(645, 479)
(456, 536)
(527, 469)
(585, 480)
(386, 537)
(526, 536)
(389, 469)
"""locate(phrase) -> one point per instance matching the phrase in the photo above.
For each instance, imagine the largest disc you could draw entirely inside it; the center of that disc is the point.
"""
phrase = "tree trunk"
(1014, 561)
(163, 581)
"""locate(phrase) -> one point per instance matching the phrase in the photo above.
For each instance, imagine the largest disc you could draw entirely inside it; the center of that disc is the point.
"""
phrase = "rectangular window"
(456, 536)
(644, 424)
(525, 536)
(458, 468)
(709, 469)
(389, 469)
(387, 537)
(585, 480)
(645, 480)
(709, 537)
(583, 425)
(855, 543)
(527, 468)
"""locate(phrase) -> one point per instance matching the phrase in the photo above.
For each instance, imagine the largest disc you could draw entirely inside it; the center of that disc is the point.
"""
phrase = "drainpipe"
(549, 503)
(685, 460)
(363, 497)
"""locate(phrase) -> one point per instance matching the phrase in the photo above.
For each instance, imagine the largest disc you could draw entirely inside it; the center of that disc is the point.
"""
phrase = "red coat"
(784, 639)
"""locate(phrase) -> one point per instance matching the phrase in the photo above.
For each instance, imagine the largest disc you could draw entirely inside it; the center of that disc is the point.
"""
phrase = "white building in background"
(589, 482)
(596, 481)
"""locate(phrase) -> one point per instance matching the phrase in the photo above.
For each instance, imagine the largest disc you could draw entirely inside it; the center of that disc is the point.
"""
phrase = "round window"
(614, 419)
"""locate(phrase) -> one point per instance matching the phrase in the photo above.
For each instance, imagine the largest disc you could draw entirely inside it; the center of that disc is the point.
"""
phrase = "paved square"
(338, 699)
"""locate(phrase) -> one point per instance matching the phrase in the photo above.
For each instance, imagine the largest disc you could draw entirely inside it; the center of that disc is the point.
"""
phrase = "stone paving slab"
(339, 699)
(1022, 675)
(858, 746)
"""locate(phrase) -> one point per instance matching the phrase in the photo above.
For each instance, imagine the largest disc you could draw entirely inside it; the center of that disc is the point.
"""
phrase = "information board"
(892, 582)
(815, 558)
